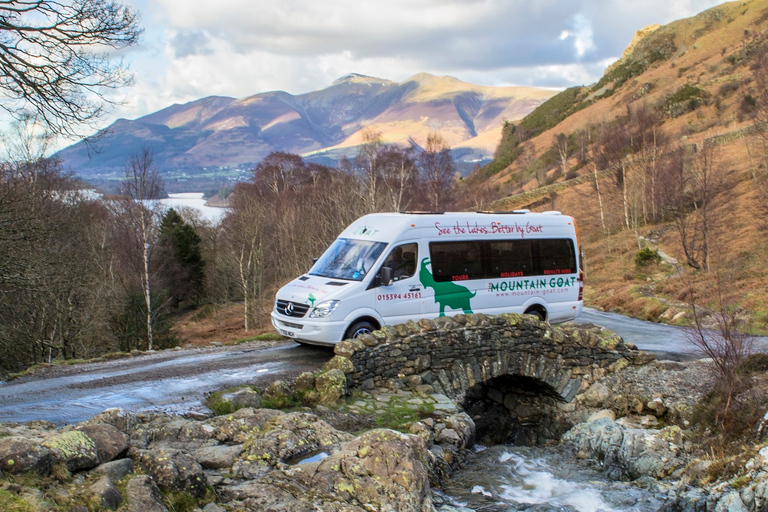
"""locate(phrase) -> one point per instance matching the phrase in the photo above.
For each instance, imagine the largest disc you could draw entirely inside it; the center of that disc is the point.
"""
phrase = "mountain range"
(221, 135)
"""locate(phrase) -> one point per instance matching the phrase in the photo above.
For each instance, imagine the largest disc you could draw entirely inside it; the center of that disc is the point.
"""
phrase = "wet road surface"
(665, 341)
(172, 380)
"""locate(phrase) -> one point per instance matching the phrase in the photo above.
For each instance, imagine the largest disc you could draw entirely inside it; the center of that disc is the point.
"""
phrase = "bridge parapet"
(450, 355)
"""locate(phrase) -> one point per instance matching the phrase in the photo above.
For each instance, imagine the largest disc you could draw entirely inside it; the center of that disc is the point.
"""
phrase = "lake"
(194, 200)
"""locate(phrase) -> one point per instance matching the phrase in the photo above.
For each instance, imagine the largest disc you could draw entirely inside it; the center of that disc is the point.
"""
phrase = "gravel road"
(171, 380)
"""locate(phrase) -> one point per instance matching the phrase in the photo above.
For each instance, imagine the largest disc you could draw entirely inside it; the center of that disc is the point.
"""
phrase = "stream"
(512, 478)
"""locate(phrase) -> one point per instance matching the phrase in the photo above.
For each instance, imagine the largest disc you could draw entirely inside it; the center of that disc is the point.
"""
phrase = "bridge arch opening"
(515, 409)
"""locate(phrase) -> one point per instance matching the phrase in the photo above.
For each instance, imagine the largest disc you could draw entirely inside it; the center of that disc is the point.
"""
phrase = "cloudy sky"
(197, 48)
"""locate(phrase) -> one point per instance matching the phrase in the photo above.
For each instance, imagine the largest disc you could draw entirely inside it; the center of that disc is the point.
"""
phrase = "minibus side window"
(557, 256)
(402, 260)
(510, 258)
(456, 261)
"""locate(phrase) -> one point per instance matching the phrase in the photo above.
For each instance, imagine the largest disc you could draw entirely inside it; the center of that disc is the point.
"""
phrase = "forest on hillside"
(82, 276)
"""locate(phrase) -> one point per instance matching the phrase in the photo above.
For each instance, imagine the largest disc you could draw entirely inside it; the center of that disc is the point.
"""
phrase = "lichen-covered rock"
(628, 453)
(236, 427)
(331, 386)
(180, 430)
(278, 389)
(75, 449)
(110, 442)
(19, 454)
(283, 438)
(106, 493)
(143, 495)
(121, 419)
(348, 347)
(381, 470)
(304, 382)
(243, 397)
(217, 457)
(340, 363)
(172, 470)
(597, 395)
(115, 470)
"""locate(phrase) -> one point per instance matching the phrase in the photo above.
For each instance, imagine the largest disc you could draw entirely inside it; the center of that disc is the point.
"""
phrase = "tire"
(542, 315)
(359, 328)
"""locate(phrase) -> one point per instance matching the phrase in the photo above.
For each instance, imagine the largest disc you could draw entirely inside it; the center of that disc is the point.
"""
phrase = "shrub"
(647, 256)
(754, 363)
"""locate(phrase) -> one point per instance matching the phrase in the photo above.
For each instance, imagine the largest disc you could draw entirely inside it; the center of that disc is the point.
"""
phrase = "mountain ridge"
(220, 132)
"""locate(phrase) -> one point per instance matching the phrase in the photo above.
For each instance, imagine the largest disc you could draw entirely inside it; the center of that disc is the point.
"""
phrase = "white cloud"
(197, 48)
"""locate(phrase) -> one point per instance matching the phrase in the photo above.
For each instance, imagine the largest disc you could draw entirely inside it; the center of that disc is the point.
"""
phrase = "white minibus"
(388, 268)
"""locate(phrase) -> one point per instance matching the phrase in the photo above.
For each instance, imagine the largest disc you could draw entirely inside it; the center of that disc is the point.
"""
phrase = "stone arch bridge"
(526, 367)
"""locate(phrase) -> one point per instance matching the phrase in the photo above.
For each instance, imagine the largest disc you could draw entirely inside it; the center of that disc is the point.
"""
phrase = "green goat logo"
(448, 293)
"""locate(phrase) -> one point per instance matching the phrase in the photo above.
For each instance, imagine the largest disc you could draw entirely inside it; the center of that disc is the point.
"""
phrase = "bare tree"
(140, 215)
(246, 230)
(53, 58)
(280, 171)
(726, 343)
(437, 171)
(563, 150)
(398, 177)
(693, 181)
(368, 165)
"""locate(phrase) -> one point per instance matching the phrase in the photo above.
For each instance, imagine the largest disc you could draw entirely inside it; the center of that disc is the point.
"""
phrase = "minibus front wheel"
(537, 311)
(359, 328)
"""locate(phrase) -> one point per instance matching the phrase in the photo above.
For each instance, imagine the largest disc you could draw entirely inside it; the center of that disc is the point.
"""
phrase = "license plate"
(287, 334)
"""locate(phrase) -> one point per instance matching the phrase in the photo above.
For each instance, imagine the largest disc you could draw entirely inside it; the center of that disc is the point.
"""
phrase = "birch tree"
(140, 215)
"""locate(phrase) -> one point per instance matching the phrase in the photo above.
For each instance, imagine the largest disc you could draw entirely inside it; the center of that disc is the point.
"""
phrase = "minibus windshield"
(348, 259)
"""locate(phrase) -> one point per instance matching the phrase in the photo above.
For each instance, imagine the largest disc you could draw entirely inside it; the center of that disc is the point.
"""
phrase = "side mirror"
(385, 276)
(314, 260)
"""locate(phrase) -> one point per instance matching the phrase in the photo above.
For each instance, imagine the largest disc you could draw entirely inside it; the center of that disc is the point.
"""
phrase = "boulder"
(305, 382)
(243, 397)
(280, 392)
(143, 495)
(379, 470)
(628, 453)
(116, 470)
(331, 385)
(284, 438)
(106, 493)
(74, 448)
(382, 470)
(597, 395)
(236, 427)
(121, 419)
(110, 442)
(19, 454)
(172, 470)
(181, 431)
(217, 457)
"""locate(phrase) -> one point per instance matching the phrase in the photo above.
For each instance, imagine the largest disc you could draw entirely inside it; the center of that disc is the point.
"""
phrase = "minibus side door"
(400, 300)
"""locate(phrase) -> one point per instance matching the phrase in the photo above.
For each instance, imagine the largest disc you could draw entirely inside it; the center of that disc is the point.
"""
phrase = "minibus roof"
(389, 227)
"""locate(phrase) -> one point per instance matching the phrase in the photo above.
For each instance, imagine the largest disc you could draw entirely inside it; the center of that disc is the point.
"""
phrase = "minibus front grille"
(294, 309)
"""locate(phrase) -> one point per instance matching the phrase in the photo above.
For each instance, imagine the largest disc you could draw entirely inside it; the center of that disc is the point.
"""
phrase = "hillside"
(665, 152)
(225, 137)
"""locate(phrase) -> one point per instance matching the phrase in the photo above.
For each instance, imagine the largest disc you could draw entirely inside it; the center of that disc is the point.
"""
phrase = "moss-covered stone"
(75, 449)
(331, 385)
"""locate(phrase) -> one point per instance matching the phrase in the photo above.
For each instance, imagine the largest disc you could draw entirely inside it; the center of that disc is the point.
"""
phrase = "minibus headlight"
(324, 309)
